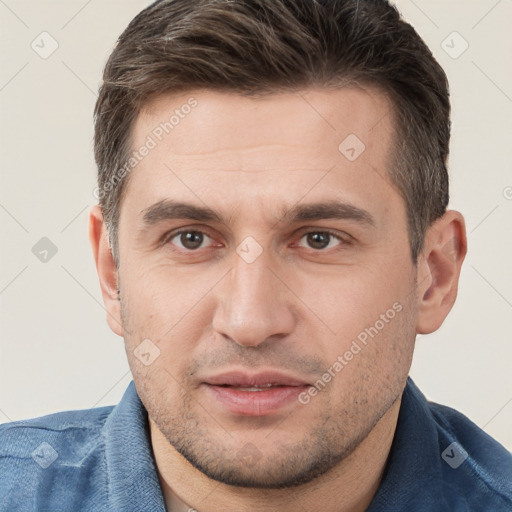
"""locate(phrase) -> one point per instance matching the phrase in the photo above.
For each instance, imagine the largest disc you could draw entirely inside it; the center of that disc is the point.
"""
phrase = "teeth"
(254, 388)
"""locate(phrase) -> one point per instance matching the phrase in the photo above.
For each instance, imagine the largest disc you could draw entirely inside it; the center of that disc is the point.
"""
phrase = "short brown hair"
(259, 47)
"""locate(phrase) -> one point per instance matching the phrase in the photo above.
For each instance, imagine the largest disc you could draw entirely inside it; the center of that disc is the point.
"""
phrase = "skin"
(295, 308)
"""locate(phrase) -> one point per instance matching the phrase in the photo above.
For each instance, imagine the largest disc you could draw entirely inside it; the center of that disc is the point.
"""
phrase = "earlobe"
(106, 268)
(439, 268)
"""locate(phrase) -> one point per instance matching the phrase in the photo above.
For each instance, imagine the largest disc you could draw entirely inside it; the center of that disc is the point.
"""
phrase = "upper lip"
(262, 378)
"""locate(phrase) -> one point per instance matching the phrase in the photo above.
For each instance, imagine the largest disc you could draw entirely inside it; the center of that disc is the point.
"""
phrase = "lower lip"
(255, 403)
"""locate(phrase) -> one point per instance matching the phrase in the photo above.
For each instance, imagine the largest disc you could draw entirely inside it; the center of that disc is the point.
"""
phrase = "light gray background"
(56, 350)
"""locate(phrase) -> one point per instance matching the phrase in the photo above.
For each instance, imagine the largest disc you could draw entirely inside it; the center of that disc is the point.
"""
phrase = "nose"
(253, 304)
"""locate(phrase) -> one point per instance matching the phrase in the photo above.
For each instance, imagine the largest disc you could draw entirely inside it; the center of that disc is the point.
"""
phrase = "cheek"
(160, 295)
(349, 299)
(371, 363)
(369, 314)
(170, 308)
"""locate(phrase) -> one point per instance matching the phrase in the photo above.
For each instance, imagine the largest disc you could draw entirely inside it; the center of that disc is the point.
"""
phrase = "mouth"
(258, 394)
(252, 388)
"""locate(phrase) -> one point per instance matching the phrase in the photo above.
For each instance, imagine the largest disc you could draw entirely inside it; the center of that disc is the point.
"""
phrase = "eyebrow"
(169, 209)
(328, 210)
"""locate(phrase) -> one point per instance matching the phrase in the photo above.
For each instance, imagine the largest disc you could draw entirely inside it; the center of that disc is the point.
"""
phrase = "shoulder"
(473, 463)
(80, 427)
(36, 453)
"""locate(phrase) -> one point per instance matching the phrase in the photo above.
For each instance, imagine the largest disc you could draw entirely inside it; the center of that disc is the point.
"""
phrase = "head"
(265, 47)
(300, 146)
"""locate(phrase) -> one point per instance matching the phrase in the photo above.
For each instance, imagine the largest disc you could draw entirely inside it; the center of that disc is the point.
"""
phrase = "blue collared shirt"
(101, 460)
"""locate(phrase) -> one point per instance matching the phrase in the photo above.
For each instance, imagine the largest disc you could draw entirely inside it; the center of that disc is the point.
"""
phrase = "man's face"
(272, 289)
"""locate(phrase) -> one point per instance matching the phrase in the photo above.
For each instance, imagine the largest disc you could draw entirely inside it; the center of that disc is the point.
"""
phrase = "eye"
(320, 240)
(188, 239)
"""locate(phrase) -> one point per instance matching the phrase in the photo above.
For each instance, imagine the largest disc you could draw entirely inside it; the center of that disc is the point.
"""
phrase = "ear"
(439, 267)
(106, 268)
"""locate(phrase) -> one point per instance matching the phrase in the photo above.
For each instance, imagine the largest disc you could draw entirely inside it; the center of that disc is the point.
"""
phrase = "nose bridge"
(252, 303)
(250, 283)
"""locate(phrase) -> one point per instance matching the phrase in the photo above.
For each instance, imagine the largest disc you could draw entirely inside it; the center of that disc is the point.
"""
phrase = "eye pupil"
(191, 239)
(318, 240)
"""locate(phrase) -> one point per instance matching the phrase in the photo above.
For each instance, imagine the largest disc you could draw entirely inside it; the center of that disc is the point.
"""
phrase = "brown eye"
(321, 240)
(190, 240)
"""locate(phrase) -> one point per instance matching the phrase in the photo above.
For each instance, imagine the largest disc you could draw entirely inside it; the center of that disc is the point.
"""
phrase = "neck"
(349, 487)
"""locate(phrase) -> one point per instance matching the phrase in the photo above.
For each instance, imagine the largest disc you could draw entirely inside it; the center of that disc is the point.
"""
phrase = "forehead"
(233, 150)
(221, 120)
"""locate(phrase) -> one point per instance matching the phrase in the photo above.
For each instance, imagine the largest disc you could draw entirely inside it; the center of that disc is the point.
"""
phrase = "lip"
(224, 389)
(243, 379)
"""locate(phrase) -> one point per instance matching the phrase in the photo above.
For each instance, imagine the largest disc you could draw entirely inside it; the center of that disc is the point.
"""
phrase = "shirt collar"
(132, 477)
(412, 470)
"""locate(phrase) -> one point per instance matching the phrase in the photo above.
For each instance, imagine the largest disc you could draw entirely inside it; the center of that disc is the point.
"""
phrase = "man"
(272, 235)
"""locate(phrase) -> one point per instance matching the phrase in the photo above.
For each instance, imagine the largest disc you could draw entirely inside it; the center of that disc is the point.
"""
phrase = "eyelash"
(345, 240)
(342, 239)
